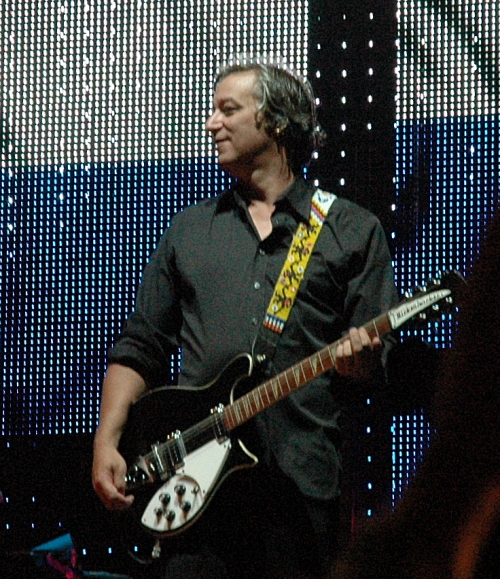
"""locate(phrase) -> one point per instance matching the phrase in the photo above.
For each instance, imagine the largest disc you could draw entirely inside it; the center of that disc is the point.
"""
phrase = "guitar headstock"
(438, 297)
(452, 280)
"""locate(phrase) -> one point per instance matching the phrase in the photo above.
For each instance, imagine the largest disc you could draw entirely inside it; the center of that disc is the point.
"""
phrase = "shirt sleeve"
(150, 334)
(371, 290)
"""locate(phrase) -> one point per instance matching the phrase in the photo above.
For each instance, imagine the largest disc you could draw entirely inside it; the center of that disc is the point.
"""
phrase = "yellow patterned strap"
(296, 262)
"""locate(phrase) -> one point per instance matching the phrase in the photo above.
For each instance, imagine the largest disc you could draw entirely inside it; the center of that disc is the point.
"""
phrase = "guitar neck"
(280, 386)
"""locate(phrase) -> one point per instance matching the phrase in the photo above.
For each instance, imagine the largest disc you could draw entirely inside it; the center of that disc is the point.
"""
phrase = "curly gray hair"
(287, 105)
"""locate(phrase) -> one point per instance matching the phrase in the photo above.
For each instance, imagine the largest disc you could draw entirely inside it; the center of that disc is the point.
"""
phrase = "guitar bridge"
(139, 474)
(169, 456)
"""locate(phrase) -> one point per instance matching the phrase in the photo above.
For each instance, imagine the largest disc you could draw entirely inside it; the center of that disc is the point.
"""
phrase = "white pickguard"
(179, 500)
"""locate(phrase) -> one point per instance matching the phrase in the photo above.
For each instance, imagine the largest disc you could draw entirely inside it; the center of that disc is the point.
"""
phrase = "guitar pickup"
(219, 429)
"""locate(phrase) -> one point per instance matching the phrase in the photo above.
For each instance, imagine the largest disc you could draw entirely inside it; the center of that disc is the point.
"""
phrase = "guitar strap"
(291, 276)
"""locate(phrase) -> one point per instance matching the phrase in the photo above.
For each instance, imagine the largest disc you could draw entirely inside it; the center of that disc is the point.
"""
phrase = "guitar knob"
(170, 516)
(159, 513)
(180, 490)
(164, 499)
(186, 506)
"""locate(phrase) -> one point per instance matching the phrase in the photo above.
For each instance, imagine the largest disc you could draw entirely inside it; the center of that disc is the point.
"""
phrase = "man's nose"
(213, 122)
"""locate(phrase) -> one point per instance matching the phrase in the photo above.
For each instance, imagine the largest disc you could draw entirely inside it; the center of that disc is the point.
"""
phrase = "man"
(206, 290)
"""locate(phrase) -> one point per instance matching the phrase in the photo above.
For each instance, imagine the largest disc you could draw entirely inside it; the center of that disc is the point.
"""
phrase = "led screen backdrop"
(447, 162)
(102, 117)
(102, 141)
(447, 131)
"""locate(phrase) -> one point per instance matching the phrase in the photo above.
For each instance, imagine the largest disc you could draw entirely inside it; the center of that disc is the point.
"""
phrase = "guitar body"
(197, 458)
(179, 443)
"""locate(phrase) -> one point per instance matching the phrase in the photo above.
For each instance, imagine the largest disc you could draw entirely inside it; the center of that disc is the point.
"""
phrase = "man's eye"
(228, 110)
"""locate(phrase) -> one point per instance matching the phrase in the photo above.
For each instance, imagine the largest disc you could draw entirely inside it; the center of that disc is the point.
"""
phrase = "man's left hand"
(358, 355)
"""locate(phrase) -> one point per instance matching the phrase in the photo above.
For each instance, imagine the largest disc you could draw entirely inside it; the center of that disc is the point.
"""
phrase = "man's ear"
(281, 126)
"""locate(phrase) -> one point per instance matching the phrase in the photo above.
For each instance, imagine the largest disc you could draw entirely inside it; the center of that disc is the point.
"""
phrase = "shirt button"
(262, 252)
(254, 321)
(256, 285)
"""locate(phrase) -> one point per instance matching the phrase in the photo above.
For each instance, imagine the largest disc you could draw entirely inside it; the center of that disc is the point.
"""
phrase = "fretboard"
(283, 384)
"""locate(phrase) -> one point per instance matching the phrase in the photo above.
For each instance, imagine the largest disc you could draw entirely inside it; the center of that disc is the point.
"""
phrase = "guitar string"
(244, 407)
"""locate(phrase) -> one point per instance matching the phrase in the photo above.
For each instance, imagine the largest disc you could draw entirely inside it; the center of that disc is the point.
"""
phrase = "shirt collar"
(297, 196)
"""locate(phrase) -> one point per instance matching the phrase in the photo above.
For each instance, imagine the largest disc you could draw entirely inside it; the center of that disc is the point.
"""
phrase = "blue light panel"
(411, 436)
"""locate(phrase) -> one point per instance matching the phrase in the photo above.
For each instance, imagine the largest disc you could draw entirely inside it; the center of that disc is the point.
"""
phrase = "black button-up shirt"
(206, 290)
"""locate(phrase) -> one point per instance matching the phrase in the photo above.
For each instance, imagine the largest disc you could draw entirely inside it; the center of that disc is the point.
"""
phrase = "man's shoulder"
(345, 208)
(205, 207)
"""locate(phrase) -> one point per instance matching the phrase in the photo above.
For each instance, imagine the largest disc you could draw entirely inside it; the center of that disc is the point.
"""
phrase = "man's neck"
(262, 200)
(268, 187)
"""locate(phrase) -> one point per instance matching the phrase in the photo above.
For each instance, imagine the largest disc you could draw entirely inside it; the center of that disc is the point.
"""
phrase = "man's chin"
(225, 163)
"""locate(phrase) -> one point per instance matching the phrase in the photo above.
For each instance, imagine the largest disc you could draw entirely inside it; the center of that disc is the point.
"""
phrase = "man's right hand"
(108, 477)
(122, 387)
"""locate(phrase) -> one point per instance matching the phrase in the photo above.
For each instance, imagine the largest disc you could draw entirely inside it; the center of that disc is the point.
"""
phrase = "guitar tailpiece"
(156, 550)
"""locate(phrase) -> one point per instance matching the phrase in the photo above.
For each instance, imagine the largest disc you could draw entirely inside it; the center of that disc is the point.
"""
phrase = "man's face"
(242, 143)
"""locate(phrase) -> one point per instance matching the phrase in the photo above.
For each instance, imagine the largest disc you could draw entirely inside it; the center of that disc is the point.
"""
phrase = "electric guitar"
(174, 479)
